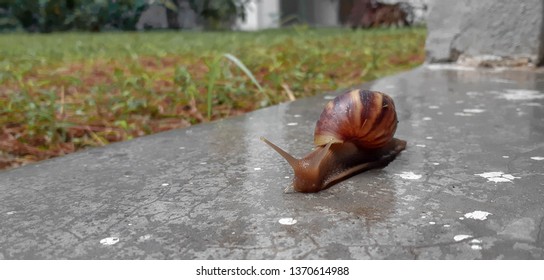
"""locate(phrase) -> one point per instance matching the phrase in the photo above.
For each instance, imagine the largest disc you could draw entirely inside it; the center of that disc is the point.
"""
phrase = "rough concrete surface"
(486, 30)
(469, 186)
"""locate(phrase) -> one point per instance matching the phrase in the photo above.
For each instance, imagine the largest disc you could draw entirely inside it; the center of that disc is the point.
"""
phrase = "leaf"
(241, 65)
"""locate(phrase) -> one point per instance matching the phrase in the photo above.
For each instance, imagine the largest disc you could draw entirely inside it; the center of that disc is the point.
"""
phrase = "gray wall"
(486, 30)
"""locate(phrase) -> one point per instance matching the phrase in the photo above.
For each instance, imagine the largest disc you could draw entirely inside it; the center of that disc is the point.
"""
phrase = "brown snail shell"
(366, 118)
(354, 133)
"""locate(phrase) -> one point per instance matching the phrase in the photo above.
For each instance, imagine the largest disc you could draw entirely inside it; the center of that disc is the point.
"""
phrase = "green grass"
(63, 92)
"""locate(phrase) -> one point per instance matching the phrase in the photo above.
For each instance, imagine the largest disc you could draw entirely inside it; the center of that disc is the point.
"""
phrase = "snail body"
(354, 133)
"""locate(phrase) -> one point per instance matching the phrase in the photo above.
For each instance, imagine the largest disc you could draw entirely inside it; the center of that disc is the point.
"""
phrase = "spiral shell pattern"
(366, 118)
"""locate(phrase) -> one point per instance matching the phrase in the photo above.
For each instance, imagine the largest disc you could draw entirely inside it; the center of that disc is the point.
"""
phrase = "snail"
(354, 133)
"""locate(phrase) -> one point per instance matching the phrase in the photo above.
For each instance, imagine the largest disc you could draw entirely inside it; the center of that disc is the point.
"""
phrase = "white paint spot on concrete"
(477, 215)
(292, 124)
(203, 163)
(182, 148)
(537, 158)
(475, 244)
(427, 118)
(460, 237)
(503, 179)
(497, 177)
(108, 241)
(446, 226)
(461, 218)
(521, 94)
(499, 180)
(329, 97)
(436, 163)
(297, 116)
(429, 137)
(144, 237)
(256, 168)
(409, 175)
(462, 114)
(287, 221)
(505, 156)
(11, 212)
(421, 145)
(432, 223)
(165, 184)
(434, 107)
(439, 113)
(474, 111)
(286, 177)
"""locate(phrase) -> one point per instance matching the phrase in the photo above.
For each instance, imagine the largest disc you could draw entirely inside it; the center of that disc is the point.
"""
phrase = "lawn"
(66, 91)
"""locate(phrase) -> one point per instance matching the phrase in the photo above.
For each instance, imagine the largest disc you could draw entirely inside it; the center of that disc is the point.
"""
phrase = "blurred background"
(86, 73)
(97, 15)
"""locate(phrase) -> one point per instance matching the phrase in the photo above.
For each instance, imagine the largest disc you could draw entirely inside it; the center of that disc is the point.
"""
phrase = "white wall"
(260, 14)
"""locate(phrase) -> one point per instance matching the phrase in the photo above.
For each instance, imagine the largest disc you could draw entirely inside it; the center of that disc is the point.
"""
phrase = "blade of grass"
(289, 92)
(212, 77)
(243, 67)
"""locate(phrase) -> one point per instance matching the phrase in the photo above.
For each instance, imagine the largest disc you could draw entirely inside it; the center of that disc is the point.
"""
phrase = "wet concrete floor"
(470, 185)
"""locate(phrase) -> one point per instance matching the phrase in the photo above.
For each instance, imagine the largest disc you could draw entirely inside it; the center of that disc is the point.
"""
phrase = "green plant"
(219, 14)
(66, 91)
(62, 15)
(243, 67)
(212, 76)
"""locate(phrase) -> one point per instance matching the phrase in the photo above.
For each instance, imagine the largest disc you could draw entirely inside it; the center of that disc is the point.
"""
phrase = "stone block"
(494, 32)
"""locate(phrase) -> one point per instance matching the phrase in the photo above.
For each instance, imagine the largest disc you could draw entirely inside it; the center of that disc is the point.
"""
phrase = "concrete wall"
(324, 12)
(153, 17)
(486, 32)
(260, 14)
(312, 12)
